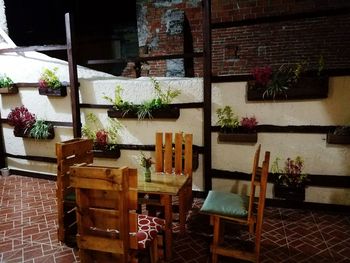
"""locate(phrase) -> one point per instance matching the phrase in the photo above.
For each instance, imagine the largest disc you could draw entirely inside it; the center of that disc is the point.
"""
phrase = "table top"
(162, 183)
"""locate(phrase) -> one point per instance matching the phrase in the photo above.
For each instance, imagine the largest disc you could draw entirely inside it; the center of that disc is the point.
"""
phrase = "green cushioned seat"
(226, 204)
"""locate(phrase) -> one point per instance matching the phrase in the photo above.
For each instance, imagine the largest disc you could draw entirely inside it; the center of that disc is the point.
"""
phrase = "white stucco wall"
(320, 158)
(3, 23)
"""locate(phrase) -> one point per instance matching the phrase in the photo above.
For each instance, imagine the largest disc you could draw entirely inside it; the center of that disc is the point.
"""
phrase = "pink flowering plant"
(292, 173)
(145, 162)
(262, 75)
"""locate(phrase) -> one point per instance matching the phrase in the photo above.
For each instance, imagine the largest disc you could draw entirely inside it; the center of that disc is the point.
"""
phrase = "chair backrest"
(106, 212)
(255, 170)
(69, 153)
(261, 204)
(174, 156)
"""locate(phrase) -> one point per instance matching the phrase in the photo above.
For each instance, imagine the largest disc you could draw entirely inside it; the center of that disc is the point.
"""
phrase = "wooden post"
(207, 72)
(73, 77)
(2, 147)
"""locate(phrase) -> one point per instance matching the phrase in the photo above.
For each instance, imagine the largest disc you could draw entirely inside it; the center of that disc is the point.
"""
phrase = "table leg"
(166, 202)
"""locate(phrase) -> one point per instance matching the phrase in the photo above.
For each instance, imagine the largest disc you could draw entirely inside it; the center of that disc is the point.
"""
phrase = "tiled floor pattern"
(28, 230)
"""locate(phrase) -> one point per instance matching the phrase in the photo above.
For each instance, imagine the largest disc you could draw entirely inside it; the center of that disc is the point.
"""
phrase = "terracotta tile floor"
(28, 230)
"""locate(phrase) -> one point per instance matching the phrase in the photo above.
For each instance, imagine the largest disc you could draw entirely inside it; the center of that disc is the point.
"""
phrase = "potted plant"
(26, 125)
(105, 140)
(340, 135)
(233, 130)
(288, 82)
(7, 86)
(22, 120)
(42, 130)
(290, 181)
(158, 107)
(146, 163)
(50, 85)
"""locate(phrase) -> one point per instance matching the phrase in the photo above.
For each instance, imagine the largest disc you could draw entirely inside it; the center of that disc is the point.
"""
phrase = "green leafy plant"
(146, 109)
(5, 81)
(118, 102)
(40, 130)
(49, 79)
(227, 120)
(292, 172)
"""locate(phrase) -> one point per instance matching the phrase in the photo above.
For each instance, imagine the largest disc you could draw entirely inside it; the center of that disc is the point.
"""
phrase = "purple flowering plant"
(292, 173)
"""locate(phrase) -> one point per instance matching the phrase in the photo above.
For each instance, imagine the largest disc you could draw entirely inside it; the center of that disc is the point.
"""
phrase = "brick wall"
(269, 43)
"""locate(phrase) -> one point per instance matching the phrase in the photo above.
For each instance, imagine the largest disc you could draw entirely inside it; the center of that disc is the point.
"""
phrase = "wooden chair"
(108, 228)
(69, 153)
(233, 208)
(175, 157)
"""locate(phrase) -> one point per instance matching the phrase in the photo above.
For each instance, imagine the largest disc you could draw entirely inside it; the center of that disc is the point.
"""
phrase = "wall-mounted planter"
(238, 137)
(306, 88)
(13, 89)
(60, 92)
(106, 152)
(289, 193)
(338, 139)
(27, 134)
(170, 113)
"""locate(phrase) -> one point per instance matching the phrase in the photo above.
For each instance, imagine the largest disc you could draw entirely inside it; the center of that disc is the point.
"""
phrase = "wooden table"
(166, 186)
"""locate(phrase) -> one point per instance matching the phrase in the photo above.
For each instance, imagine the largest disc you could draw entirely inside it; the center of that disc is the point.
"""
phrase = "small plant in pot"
(42, 130)
(290, 181)
(50, 84)
(146, 162)
(22, 120)
(233, 130)
(7, 85)
(105, 140)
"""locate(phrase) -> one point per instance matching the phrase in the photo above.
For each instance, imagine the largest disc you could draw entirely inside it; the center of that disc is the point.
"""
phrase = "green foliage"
(145, 162)
(40, 130)
(227, 120)
(118, 102)
(5, 81)
(48, 78)
(321, 65)
(92, 127)
(144, 110)
(292, 172)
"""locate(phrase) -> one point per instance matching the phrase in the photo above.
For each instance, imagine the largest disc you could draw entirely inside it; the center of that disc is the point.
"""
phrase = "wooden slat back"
(252, 182)
(174, 156)
(168, 152)
(106, 204)
(261, 204)
(159, 152)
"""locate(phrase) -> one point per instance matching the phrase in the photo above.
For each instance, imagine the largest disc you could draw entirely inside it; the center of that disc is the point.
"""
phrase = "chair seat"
(226, 204)
(148, 228)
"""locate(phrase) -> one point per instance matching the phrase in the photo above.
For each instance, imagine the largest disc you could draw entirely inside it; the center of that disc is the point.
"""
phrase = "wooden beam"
(33, 48)
(207, 72)
(73, 76)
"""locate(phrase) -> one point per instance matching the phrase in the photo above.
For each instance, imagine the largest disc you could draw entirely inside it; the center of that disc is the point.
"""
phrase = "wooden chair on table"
(175, 157)
(225, 208)
(109, 229)
(69, 153)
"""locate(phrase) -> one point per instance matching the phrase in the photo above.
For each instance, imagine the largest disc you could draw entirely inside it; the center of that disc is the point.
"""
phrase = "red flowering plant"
(291, 174)
(249, 124)
(104, 139)
(262, 76)
(21, 119)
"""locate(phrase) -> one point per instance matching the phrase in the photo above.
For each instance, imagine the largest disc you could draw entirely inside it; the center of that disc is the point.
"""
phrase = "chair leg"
(216, 222)
(154, 250)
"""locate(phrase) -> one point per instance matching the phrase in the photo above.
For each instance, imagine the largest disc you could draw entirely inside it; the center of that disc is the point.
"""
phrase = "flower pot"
(169, 113)
(106, 151)
(9, 90)
(296, 193)
(338, 139)
(59, 92)
(238, 137)
(307, 87)
(147, 174)
(5, 171)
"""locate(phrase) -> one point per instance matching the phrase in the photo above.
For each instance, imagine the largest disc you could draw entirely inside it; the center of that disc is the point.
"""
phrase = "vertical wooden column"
(2, 147)
(207, 74)
(73, 76)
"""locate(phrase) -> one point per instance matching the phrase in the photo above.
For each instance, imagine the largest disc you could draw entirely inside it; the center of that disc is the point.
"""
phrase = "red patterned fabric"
(148, 228)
